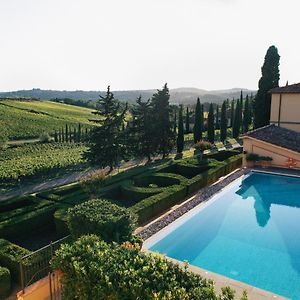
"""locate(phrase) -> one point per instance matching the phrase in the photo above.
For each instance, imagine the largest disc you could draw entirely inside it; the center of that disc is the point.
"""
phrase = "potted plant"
(251, 159)
(265, 161)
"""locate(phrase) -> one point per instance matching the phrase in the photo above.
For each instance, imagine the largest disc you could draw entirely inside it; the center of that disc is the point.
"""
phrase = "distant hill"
(178, 95)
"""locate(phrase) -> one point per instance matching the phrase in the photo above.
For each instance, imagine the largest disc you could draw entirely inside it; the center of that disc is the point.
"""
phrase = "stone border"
(202, 195)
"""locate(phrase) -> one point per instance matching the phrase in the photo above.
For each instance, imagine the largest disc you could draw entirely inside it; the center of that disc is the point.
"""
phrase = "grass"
(28, 119)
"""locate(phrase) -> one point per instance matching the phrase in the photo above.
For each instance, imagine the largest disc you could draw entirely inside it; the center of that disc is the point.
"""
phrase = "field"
(33, 159)
(28, 119)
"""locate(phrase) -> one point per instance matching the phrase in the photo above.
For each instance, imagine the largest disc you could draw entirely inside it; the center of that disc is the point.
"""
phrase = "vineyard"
(32, 159)
(29, 119)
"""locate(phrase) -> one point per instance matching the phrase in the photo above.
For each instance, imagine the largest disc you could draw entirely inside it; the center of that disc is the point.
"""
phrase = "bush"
(156, 204)
(223, 155)
(252, 157)
(93, 181)
(109, 221)
(202, 145)
(5, 283)
(45, 138)
(10, 255)
(109, 271)
(159, 179)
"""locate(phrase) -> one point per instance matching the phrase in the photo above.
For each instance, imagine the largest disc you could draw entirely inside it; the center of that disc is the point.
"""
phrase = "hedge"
(28, 222)
(61, 221)
(160, 179)
(10, 255)
(156, 204)
(109, 221)
(223, 155)
(110, 271)
(15, 203)
(30, 206)
(212, 175)
(5, 283)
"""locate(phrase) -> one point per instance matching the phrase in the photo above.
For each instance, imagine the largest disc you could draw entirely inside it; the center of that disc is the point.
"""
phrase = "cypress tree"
(175, 122)
(79, 133)
(246, 120)
(223, 133)
(202, 120)
(106, 142)
(187, 121)
(55, 136)
(241, 111)
(59, 136)
(62, 135)
(180, 135)
(70, 135)
(236, 122)
(163, 133)
(269, 79)
(198, 122)
(217, 117)
(67, 133)
(75, 135)
(232, 113)
(211, 124)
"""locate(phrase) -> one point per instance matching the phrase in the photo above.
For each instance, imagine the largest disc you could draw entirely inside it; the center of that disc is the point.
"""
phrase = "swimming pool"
(249, 232)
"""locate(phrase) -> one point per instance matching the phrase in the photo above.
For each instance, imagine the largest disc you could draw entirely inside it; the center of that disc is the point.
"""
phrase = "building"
(281, 139)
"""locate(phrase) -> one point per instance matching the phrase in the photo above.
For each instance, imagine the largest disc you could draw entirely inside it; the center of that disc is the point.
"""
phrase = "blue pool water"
(249, 232)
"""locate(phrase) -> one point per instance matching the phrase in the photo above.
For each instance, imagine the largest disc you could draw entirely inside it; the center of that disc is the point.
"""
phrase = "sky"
(141, 44)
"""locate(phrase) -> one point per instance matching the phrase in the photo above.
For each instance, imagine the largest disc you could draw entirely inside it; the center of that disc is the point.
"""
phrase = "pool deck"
(200, 198)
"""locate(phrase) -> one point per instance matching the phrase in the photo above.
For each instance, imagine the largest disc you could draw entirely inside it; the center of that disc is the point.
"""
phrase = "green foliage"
(162, 130)
(29, 119)
(224, 121)
(37, 159)
(252, 157)
(10, 255)
(200, 146)
(269, 79)
(237, 120)
(247, 115)
(187, 120)
(211, 124)
(109, 271)
(180, 134)
(109, 221)
(107, 146)
(222, 155)
(198, 126)
(5, 283)
(61, 222)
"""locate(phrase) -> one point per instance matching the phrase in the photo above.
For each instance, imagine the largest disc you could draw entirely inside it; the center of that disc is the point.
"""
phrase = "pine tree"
(198, 122)
(180, 134)
(223, 133)
(269, 79)
(106, 148)
(140, 130)
(236, 122)
(246, 120)
(211, 124)
(232, 113)
(163, 129)
(187, 121)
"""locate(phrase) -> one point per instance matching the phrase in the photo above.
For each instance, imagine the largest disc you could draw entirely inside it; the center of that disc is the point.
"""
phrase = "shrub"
(159, 179)
(252, 157)
(93, 181)
(202, 145)
(109, 221)
(10, 255)
(5, 283)
(45, 138)
(95, 270)
(223, 155)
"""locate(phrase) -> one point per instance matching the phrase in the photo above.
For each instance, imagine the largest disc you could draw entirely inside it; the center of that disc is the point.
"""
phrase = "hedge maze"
(148, 191)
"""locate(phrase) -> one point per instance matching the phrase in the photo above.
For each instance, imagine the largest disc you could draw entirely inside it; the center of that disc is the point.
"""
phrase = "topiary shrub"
(61, 221)
(110, 271)
(5, 283)
(103, 218)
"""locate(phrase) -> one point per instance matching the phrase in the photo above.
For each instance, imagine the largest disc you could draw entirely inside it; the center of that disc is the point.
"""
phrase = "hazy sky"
(140, 44)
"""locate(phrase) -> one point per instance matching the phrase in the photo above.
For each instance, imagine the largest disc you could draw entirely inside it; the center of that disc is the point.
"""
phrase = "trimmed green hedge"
(213, 174)
(223, 155)
(10, 255)
(160, 179)
(156, 204)
(28, 222)
(61, 221)
(15, 203)
(5, 283)
(107, 220)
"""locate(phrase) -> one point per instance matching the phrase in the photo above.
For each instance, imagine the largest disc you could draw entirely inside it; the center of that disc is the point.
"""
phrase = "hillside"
(179, 95)
(28, 119)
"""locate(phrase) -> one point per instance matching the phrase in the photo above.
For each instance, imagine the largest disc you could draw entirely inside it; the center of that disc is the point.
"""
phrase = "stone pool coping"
(201, 197)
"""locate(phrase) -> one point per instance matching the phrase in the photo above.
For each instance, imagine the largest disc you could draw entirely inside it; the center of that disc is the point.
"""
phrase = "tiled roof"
(293, 88)
(278, 136)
